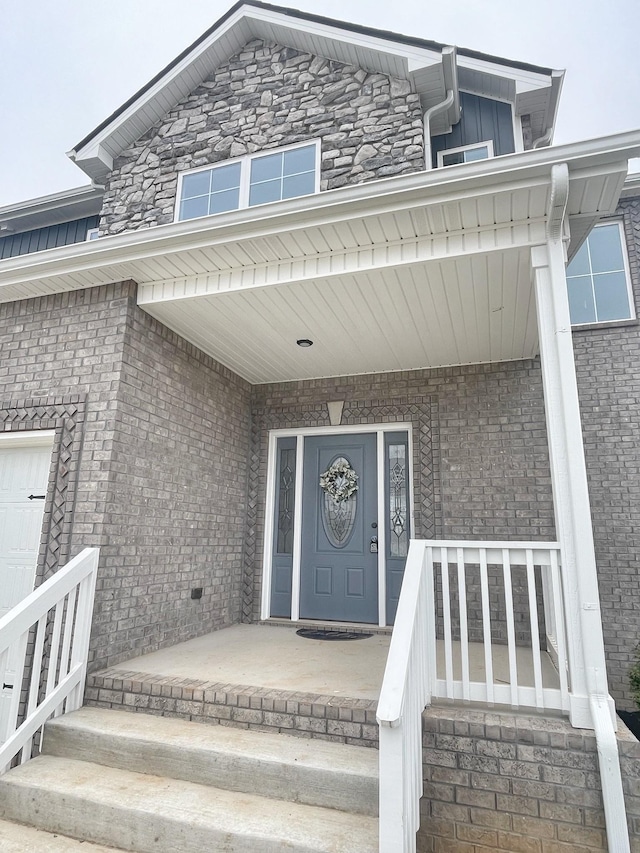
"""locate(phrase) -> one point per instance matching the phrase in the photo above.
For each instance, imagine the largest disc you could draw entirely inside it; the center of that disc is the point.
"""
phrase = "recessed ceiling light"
(304, 342)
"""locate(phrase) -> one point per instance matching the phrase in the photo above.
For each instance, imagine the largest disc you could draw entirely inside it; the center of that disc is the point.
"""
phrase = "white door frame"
(300, 434)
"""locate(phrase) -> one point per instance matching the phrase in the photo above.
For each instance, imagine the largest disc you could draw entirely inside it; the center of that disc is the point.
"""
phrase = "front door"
(339, 559)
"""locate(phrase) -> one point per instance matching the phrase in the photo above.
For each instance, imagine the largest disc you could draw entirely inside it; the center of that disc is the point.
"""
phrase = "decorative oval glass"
(339, 501)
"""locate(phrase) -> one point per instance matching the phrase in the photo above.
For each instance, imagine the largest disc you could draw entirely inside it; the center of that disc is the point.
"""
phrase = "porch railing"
(48, 634)
(461, 601)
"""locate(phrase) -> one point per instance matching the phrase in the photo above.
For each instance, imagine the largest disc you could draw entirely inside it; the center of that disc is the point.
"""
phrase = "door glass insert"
(398, 499)
(286, 493)
(339, 502)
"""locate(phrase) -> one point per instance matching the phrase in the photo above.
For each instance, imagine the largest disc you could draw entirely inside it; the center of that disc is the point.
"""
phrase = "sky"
(65, 65)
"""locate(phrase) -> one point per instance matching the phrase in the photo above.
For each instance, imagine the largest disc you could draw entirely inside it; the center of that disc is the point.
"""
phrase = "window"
(93, 234)
(598, 278)
(465, 154)
(248, 181)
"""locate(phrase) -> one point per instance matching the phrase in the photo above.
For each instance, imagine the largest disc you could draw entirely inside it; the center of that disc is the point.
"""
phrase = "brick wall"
(268, 96)
(516, 783)
(607, 365)
(484, 470)
(176, 508)
(152, 442)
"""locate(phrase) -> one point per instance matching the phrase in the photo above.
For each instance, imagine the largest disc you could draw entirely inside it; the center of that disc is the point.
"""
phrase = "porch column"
(568, 469)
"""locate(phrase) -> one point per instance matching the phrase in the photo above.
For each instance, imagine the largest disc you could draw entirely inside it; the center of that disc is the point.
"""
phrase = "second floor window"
(598, 278)
(248, 181)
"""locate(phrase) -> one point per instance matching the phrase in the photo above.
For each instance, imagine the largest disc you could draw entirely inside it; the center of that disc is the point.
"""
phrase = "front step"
(160, 785)
(300, 770)
(15, 838)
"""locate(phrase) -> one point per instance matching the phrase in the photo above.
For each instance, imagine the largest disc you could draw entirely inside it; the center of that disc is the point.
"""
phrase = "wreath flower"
(339, 481)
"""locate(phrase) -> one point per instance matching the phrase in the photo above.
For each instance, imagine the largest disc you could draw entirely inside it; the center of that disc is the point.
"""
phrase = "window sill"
(607, 324)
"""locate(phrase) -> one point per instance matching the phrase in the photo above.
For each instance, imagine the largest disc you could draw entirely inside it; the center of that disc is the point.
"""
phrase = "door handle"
(5, 686)
(373, 545)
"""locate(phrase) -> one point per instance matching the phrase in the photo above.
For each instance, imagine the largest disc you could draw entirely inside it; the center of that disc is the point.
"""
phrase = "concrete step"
(16, 838)
(152, 814)
(300, 770)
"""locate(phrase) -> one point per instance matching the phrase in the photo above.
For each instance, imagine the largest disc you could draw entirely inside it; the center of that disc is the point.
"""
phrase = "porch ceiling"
(424, 270)
(478, 308)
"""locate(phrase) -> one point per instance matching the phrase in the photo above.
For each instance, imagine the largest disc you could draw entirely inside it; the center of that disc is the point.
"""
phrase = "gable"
(267, 96)
(533, 90)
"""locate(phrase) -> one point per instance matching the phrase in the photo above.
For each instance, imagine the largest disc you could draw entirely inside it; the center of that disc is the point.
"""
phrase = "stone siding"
(149, 462)
(268, 96)
(608, 369)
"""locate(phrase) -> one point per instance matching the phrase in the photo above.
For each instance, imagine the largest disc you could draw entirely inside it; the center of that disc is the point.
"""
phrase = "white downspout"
(450, 74)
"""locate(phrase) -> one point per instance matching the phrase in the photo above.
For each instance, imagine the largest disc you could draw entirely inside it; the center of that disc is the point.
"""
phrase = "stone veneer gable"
(268, 96)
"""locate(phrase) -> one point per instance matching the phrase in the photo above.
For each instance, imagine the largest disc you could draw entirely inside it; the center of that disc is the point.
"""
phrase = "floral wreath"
(339, 481)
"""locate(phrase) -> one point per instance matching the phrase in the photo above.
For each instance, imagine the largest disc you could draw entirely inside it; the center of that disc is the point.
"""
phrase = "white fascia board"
(247, 20)
(41, 204)
(417, 56)
(524, 80)
(631, 188)
(520, 170)
(51, 209)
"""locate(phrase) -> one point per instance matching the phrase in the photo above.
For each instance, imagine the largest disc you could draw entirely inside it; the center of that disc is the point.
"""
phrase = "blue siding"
(63, 234)
(482, 119)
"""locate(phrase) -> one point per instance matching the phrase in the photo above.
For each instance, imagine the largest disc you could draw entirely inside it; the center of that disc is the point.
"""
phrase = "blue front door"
(339, 559)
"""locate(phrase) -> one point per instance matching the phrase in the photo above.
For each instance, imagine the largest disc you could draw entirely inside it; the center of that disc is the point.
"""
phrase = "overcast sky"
(65, 65)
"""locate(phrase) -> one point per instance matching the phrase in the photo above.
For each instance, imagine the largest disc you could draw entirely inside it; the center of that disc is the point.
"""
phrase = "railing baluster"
(446, 612)
(535, 635)
(34, 685)
(561, 640)
(430, 627)
(486, 624)
(511, 631)
(65, 657)
(464, 628)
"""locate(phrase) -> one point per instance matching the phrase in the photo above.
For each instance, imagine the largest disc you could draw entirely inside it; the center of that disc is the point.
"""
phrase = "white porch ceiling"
(477, 309)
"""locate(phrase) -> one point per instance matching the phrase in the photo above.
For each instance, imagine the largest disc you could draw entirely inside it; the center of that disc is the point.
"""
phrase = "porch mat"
(330, 634)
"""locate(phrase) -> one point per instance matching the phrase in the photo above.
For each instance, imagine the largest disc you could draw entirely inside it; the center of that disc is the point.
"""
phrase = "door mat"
(330, 634)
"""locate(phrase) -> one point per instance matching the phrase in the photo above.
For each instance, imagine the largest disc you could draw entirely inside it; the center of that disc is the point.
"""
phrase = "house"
(325, 312)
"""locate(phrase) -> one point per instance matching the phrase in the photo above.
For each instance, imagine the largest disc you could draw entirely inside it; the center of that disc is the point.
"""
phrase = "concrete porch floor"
(275, 658)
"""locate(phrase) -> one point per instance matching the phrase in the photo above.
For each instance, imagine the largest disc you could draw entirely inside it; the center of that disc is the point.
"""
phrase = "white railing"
(57, 615)
(509, 579)
(475, 586)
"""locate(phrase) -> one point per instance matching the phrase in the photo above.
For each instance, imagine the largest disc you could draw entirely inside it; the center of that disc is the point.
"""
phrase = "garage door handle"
(10, 686)
(36, 497)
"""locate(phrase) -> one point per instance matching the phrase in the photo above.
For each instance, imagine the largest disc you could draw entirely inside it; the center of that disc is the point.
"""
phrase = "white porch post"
(568, 469)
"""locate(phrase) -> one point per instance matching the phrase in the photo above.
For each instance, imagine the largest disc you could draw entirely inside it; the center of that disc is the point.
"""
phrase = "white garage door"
(24, 474)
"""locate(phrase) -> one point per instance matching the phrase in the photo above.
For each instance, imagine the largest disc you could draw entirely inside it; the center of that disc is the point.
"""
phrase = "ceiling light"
(304, 342)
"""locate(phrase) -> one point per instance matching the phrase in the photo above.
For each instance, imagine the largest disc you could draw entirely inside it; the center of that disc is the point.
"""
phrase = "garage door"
(24, 474)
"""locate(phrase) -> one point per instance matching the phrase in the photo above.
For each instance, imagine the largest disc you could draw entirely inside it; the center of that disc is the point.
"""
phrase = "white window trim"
(267, 554)
(627, 274)
(245, 172)
(93, 234)
(488, 143)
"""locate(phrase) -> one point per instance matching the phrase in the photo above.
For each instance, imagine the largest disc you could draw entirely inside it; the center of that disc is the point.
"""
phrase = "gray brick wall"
(159, 473)
(176, 507)
(268, 96)
(608, 369)
(484, 471)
